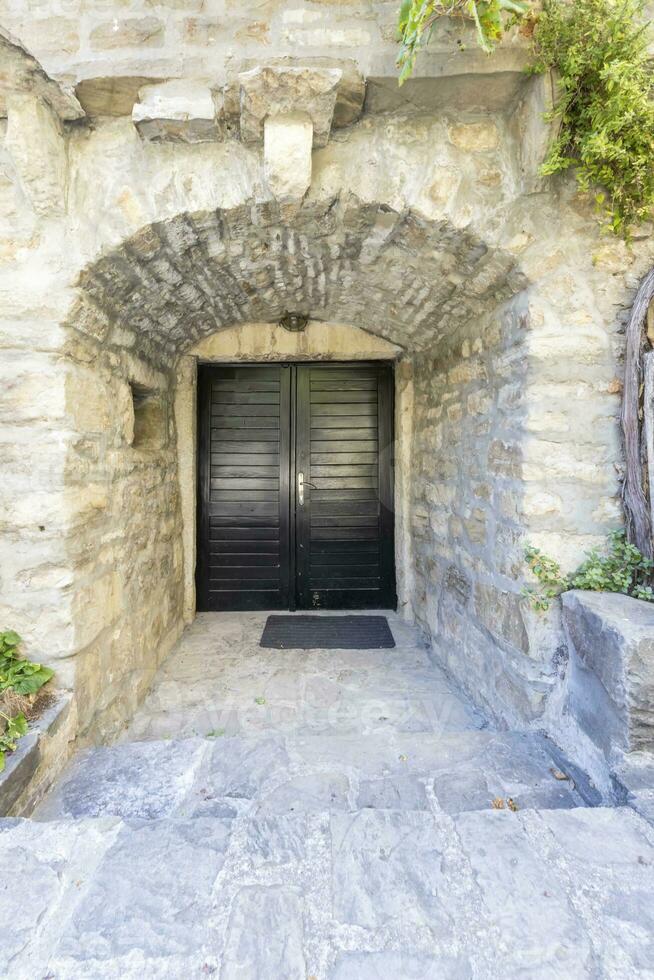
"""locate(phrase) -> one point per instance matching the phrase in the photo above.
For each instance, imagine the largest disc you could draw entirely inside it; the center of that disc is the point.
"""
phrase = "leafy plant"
(14, 729)
(621, 569)
(417, 19)
(599, 50)
(16, 674)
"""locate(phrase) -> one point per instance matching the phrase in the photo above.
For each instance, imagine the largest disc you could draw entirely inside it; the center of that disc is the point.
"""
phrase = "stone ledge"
(34, 765)
(611, 676)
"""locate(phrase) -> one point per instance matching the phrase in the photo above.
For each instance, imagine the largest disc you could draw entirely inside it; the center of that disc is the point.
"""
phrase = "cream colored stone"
(128, 32)
(176, 111)
(269, 92)
(287, 144)
(475, 137)
(36, 144)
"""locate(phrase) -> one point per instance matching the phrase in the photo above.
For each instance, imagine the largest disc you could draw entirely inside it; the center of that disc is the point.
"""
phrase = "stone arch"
(142, 305)
(394, 273)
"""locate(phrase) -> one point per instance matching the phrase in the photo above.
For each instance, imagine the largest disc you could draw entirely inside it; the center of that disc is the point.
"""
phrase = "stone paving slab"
(276, 775)
(219, 679)
(377, 893)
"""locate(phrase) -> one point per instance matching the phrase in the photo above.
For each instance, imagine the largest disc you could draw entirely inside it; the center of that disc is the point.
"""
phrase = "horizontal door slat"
(233, 496)
(343, 446)
(344, 534)
(346, 413)
(262, 512)
(347, 470)
(242, 411)
(240, 398)
(236, 584)
(349, 395)
(243, 483)
(345, 583)
(342, 374)
(229, 560)
(343, 482)
(237, 534)
(361, 431)
(234, 435)
(345, 508)
(343, 493)
(353, 384)
(341, 520)
(225, 424)
(318, 459)
(251, 471)
(242, 386)
(244, 458)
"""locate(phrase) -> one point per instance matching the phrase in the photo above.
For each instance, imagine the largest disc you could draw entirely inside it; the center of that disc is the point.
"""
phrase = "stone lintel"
(270, 91)
(37, 147)
(177, 111)
(287, 146)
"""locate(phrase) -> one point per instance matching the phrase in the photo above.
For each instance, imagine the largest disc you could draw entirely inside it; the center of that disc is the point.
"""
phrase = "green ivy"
(16, 674)
(622, 568)
(599, 50)
(20, 677)
(418, 17)
(14, 729)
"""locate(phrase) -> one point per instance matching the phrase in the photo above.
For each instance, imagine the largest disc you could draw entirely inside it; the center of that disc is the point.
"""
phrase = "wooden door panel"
(344, 530)
(243, 476)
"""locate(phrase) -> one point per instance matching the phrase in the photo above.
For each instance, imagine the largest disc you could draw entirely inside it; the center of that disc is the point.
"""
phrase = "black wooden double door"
(295, 501)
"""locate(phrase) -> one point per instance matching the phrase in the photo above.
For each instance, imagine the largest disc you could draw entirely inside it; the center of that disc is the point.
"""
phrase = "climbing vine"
(598, 50)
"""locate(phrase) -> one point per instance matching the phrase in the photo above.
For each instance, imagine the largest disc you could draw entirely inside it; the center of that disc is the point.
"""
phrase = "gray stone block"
(265, 936)
(611, 676)
(151, 895)
(388, 870)
(139, 780)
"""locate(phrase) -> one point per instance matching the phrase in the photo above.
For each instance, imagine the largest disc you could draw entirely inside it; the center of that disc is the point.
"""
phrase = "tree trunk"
(636, 508)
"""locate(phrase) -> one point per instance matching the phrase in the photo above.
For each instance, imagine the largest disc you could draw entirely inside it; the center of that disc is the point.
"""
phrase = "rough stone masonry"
(147, 203)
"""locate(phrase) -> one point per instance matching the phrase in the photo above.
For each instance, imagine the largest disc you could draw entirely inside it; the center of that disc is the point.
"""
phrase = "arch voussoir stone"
(392, 272)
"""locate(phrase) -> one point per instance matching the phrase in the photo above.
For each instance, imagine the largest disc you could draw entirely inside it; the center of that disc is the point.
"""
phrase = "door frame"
(387, 421)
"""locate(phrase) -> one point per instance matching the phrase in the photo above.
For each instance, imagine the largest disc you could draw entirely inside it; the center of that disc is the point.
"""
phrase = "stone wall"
(424, 225)
(468, 514)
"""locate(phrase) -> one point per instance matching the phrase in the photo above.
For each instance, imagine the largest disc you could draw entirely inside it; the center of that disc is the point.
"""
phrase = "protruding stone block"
(38, 149)
(178, 112)
(611, 678)
(287, 155)
(267, 92)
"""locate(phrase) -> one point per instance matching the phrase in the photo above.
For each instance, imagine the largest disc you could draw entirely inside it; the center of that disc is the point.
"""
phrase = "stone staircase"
(345, 829)
(325, 856)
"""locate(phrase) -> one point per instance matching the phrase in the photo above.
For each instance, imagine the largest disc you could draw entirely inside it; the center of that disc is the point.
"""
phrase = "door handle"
(301, 484)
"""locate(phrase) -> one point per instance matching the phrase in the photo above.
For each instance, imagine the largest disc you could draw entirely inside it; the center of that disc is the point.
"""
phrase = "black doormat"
(327, 633)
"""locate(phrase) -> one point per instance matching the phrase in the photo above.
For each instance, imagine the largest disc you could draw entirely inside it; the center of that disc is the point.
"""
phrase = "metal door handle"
(301, 484)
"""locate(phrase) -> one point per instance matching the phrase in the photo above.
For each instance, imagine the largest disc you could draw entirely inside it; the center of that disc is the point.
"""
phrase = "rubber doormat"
(327, 633)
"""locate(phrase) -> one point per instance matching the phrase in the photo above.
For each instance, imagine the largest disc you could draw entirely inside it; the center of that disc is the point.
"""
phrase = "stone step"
(331, 895)
(270, 774)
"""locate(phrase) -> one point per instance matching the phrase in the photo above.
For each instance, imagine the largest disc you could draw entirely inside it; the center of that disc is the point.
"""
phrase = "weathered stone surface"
(133, 905)
(267, 92)
(176, 111)
(265, 935)
(36, 144)
(119, 33)
(287, 155)
(388, 871)
(145, 780)
(611, 685)
(22, 73)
